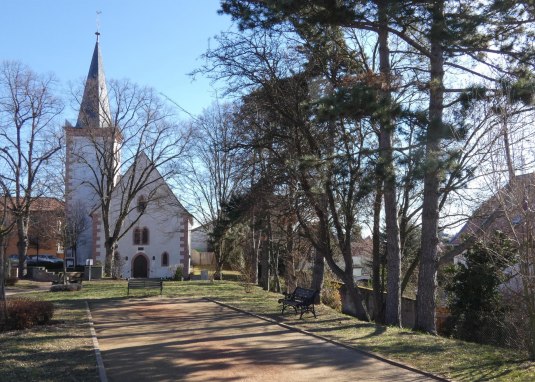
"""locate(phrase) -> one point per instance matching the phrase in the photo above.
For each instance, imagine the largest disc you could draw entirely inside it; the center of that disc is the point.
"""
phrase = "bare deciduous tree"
(28, 140)
(214, 173)
(134, 140)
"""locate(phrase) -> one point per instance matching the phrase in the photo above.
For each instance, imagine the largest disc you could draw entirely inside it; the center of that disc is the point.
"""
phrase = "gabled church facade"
(157, 237)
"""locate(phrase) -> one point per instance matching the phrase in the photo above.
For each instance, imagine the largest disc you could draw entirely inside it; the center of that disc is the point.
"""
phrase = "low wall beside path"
(408, 305)
(408, 308)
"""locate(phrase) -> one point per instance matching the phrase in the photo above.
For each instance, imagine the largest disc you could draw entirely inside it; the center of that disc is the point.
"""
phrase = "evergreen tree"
(442, 39)
(475, 301)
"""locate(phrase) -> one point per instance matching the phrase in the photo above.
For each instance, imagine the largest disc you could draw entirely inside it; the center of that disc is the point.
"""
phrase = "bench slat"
(145, 284)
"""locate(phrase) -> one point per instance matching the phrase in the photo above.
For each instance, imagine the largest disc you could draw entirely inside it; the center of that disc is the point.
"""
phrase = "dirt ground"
(159, 339)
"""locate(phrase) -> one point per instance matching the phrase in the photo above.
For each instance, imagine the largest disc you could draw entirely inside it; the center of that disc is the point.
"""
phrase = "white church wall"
(169, 232)
(79, 194)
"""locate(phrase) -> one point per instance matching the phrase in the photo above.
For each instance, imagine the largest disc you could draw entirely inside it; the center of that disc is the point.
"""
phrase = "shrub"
(23, 314)
(330, 295)
(179, 273)
(10, 281)
(66, 287)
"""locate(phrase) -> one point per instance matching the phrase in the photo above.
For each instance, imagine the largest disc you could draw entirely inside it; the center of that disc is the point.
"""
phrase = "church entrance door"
(140, 267)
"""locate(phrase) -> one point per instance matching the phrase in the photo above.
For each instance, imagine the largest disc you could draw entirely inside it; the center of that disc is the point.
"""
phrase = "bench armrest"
(289, 296)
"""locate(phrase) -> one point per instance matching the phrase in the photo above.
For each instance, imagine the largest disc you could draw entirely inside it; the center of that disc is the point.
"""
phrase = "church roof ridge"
(95, 107)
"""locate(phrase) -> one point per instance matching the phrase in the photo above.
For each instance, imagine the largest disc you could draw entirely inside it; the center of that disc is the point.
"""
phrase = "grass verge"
(456, 360)
(59, 351)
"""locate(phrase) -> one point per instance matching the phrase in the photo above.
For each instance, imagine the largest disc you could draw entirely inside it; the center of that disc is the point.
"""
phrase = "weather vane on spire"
(98, 24)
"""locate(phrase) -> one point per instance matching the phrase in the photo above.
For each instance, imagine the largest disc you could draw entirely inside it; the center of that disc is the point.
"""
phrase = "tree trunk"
(274, 271)
(264, 267)
(507, 149)
(318, 273)
(218, 252)
(356, 297)
(377, 285)
(109, 265)
(3, 307)
(427, 276)
(393, 297)
(346, 275)
(22, 244)
(64, 270)
(323, 248)
(289, 263)
(409, 272)
(254, 254)
(529, 299)
(320, 254)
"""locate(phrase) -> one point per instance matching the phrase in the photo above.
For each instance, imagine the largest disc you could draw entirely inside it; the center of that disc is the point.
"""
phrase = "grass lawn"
(43, 353)
(60, 351)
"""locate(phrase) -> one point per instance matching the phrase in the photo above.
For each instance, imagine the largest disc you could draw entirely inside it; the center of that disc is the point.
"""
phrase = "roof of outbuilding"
(41, 203)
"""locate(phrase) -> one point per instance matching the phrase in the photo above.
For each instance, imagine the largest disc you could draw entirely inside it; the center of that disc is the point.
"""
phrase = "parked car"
(52, 259)
(43, 260)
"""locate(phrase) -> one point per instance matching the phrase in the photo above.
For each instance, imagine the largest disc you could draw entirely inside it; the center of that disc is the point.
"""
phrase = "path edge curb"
(100, 363)
(335, 342)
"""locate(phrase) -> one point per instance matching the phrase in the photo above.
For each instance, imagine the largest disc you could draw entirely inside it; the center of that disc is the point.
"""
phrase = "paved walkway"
(196, 340)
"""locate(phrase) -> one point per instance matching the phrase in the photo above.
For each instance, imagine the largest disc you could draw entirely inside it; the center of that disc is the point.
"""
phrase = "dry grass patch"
(59, 351)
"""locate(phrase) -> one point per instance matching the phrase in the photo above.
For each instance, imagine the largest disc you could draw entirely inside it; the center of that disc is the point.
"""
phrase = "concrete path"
(195, 340)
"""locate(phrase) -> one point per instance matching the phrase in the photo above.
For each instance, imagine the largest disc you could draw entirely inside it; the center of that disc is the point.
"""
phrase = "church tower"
(92, 147)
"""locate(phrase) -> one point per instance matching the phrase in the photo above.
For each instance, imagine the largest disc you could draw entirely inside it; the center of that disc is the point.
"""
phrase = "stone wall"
(40, 274)
(408, 308)
(408, 305)
(96, 272)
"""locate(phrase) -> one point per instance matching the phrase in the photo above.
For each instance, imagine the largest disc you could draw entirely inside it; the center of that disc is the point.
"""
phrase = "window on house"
(145, 236)
(165, 259)
(137, 236)
(141, 203)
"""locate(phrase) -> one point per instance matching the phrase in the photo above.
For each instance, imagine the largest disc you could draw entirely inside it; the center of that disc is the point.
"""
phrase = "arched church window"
(145, 236)
(137, 236)
(165, 259)
(141, 203)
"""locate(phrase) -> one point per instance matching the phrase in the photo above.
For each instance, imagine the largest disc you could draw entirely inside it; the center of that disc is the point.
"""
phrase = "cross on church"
(98, 24)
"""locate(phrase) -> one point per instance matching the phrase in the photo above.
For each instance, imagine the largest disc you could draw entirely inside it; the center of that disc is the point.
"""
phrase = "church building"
(158, 237)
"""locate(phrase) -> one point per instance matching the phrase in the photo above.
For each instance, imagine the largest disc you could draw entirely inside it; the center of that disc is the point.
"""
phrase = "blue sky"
(155, 43)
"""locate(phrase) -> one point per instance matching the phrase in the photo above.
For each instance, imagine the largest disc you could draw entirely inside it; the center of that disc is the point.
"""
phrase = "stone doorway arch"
(140, 266)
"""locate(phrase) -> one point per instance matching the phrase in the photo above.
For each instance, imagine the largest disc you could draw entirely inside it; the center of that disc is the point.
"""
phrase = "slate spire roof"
(95, 106)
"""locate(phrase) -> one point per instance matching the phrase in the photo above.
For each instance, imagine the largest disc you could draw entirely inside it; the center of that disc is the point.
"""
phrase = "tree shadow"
(196, 339)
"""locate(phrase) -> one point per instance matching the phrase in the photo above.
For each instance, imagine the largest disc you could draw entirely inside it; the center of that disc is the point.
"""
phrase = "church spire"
(95, 107)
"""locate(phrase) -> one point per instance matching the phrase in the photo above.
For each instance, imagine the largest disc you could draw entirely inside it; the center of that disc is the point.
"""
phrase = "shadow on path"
(196, 340)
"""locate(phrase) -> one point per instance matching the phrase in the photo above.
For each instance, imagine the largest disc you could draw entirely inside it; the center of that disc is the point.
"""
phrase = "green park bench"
(145, 284)
(302, 300)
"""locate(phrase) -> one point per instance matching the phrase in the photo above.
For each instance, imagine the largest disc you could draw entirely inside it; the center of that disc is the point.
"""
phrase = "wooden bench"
(302, 300)
(145, 284)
